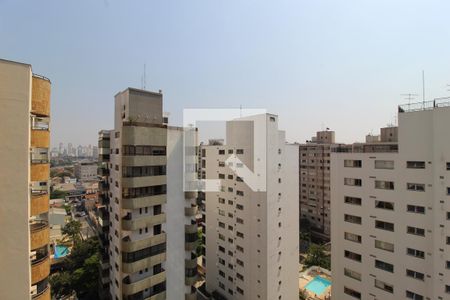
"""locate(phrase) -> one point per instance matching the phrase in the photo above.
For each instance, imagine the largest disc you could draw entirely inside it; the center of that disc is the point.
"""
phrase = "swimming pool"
(61, 251)
(318, 285)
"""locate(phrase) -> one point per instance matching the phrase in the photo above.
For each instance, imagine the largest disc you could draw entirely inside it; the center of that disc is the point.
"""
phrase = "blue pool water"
(318, 285)
(61, 251)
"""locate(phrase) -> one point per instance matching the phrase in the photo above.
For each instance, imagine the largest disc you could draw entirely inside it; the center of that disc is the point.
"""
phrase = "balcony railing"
(424, 105)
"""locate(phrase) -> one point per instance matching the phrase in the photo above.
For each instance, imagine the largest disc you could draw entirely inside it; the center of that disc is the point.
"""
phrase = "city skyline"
(330, 57)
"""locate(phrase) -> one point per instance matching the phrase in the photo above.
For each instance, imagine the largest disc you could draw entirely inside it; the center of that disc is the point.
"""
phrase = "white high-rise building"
(252, 229)
(390, 223)
(153, 234)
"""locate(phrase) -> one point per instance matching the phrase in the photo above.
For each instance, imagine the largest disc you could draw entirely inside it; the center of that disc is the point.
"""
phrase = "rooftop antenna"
(145, 79)
(423, 87)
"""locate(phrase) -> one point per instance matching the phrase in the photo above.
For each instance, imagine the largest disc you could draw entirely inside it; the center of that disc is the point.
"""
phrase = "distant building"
(315, 184)
(24, 182)
(85, 171)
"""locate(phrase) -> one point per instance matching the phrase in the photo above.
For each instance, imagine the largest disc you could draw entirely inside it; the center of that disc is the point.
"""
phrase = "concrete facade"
(252, 233)
(390, 211)
(151, 247)
(24, 128)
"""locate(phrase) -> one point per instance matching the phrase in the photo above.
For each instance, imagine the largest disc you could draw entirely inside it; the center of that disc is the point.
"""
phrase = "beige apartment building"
(252, 246)
(315, 184)
(152, 233)
(24, 182)
(391, 211)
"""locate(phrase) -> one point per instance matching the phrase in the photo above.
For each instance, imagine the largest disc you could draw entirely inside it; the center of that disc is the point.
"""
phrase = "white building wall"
(270, 215)
(421, 138)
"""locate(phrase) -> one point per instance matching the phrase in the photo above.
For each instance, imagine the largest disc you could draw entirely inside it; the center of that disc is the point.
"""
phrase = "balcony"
(190, 211)
(39, 172)
(135, 203)
(130, 246)
(40, 138)
(143, 160)
(191, 296)
(190, 263)
(190, 280)
(143, 263)
(135, 182)
(43, 295)
(159, 296)
(39, 204)
(40, 99)
(39, 234)
(190, 228)
(129, 223)
(40, 269)
(39, 188)
(190, 195)
(130, 288)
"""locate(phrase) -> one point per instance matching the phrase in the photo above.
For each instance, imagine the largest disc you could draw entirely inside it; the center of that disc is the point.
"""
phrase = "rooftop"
(424, 105)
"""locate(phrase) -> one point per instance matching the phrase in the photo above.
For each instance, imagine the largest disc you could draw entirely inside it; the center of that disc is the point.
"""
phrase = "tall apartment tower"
(391, 210)
(315, 183)
(153, 234)
(252, 220)
(102, 211)
(24, 182)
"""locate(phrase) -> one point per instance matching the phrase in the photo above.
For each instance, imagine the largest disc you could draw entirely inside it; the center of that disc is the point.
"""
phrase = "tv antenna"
(409, 97)
(143, 79)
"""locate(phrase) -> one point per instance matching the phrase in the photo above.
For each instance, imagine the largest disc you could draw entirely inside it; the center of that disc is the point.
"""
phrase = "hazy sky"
(338, 64)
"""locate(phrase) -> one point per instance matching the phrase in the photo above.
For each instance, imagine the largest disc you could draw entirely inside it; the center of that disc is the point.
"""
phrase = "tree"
(316, 257)
(81, 271)
(57, 194)
(73, 230)
(302, 295)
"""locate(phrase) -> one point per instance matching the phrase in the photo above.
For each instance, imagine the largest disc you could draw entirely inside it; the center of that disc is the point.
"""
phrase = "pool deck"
(308, 276)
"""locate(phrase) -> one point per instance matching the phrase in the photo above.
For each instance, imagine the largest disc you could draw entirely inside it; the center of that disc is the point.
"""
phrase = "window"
(352, 219)
(222, 273)
(415, 275)
(352, 274)
(239, 248)
(352, 181)
(221, 152)
(384, 185)
(384, 164)
(384, 286)
(384, 266)
(415, 164)
(447, 289)
(352, 293)
(221, 249)
(221, 176)
(240, 262)
(418, 187)
(239, 276)
(384, 246)
(240, 193)
(351, 163)
(384, 205)
(221, 200)
(352, 200)
(352, 255)
(133, 150)
(239, 151)
(352, 237)
(239, 206)
(240, 234)
(415, 253)
(414, 296)
(239, 221)
(221, 224)
(239, 290)
(415, 209)
(415, 230)
(384, 225)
